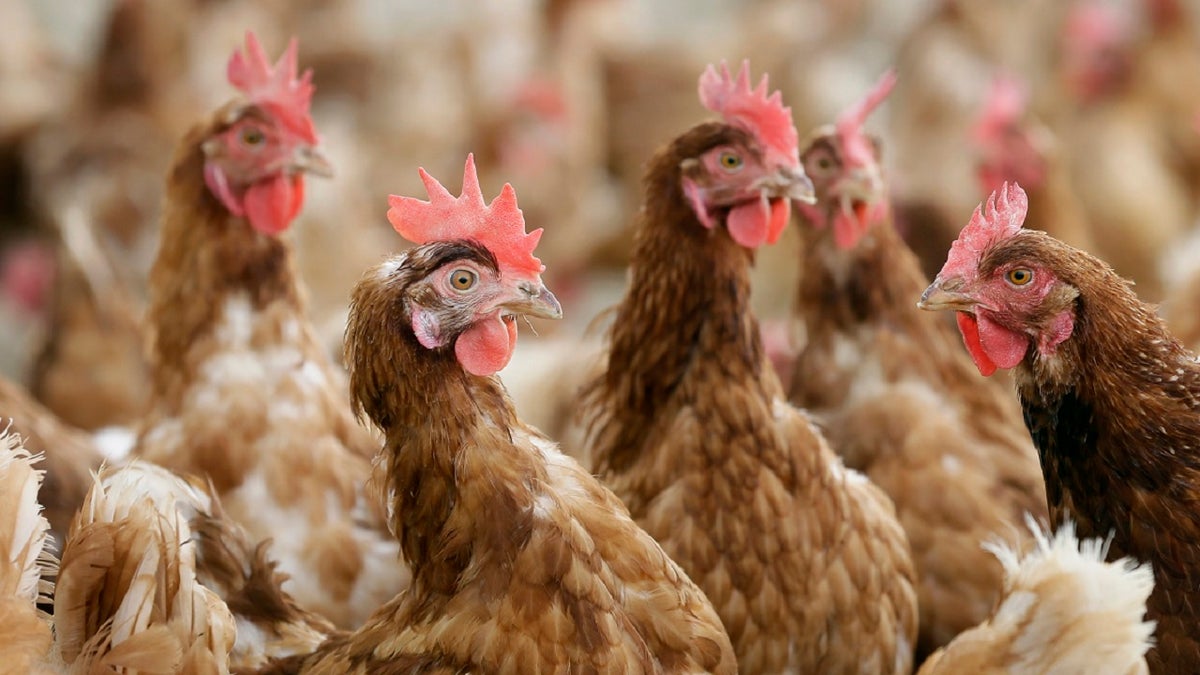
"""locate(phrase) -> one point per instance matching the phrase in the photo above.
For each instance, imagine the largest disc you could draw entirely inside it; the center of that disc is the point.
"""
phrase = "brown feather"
(244, 395)
(803, 560)
(899, 400)
(522, 562)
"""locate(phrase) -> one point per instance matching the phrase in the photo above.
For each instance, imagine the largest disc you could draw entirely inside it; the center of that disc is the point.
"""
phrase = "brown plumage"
(126, 594)
(522, 562)
(803, 560)
(243, 392)
(898, 399)
(271, 624)
(236, 570)
(1111, 399)
(1064, 610)
(70, 455)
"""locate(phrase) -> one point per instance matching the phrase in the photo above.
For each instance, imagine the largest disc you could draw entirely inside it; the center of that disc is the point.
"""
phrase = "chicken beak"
(306, 159)
(533, 299)
(789, 182)
(862, 184)
(946, 296)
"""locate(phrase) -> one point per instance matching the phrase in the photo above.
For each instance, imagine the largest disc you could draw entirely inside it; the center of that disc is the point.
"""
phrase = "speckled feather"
(522, 562)
(899, 399)
(245, 395)
(803, 559)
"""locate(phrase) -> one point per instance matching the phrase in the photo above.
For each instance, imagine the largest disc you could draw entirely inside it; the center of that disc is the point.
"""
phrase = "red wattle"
(486, 347)
(970, 334)
(750, 224)
(991, 345)
(1004, 347)
(273, 203)
(847, 230)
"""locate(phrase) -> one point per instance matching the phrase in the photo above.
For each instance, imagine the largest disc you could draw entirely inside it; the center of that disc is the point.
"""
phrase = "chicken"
(1120, 158)
(243, 393)
(91, 370)
(1065, 611)
(1110, 397)
(1014, 148)
(127, 595)
(70, 455)
(522, 562)
(803, 559)
(26, 564)
(895, 398)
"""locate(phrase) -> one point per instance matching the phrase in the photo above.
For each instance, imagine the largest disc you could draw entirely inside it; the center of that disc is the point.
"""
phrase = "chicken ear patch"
(273, 203)
(428, 330)
(486, 347)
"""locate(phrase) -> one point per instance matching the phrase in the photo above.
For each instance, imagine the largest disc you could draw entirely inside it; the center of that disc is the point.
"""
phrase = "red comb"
(499, 226)
(1004, 107)
(277, 89)
(1095, 24)
(849, 125)
(752, 110)
(1000, 217)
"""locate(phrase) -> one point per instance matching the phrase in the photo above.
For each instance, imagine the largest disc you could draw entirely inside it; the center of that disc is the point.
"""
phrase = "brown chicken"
(522, 562)
(1064, 610)
(1111, 399)
(70, 454)
(1013, 147)
(803, 559)
(1120, 158)
(896, 399)
(91, 370)
(243, 392)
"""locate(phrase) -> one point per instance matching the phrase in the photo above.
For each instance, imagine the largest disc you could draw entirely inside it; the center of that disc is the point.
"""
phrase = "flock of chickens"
(852, 489)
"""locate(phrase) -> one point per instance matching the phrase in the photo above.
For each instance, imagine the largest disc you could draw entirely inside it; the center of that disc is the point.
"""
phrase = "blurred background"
(565, 99)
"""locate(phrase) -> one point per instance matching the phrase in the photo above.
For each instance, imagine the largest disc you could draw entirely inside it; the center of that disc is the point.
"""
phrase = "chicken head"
(747, 179)
(1008, 148)
(1005, 291)
(254, 163)
(844, 164)
(474, 274)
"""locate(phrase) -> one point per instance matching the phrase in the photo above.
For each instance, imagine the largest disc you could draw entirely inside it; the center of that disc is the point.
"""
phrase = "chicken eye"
(730, 161)
(253, 136)
(824, 163)
(462, 280)
(1019, 276)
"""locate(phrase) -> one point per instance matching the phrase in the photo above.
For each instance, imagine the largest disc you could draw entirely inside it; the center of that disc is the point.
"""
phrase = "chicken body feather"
(803, 559)
(244, 394)
(522, 562)
(1064, 610)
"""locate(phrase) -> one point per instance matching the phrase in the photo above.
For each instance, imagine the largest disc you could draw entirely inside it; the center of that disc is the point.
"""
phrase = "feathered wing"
(127, 594)
(271, 624)
(26, 563)
(1064, 610)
